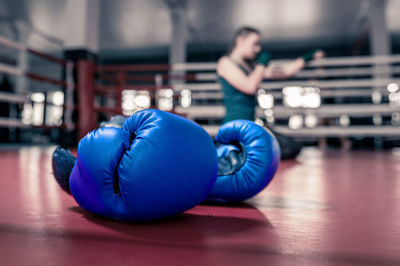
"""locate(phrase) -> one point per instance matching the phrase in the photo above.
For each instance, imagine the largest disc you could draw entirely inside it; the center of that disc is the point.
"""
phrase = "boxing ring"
(351, 97)
(338, 97)
(326, 207)
(42, 91)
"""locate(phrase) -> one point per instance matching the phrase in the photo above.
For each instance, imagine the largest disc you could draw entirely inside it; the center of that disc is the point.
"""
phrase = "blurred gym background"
(66, 66)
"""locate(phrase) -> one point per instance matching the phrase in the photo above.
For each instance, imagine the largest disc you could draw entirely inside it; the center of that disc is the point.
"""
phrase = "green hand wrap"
(310, 55)
(263, 58)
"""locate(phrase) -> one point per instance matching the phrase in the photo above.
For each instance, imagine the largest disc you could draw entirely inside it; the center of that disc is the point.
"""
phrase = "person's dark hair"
(241, 32)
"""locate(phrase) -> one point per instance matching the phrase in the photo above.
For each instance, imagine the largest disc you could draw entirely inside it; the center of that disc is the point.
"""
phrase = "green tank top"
(237, 104)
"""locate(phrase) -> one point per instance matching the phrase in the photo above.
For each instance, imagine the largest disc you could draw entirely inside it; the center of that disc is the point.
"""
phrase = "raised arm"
(290, 69)
(284, 71)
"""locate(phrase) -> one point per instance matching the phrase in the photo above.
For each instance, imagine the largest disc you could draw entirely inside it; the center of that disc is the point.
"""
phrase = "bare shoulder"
(223, 64)
(223, 61)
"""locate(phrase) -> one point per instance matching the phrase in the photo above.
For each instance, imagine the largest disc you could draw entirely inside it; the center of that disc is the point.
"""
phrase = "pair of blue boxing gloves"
(157, 164)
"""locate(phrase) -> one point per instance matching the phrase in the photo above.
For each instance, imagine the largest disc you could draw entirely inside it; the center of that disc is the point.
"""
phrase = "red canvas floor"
(323, 209)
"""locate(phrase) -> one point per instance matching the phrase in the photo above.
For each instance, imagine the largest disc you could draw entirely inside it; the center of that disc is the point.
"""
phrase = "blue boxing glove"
(157, 165)
(248, 157)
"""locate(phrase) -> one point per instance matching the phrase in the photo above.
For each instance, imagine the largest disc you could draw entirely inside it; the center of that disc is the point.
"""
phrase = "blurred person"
(241, 71)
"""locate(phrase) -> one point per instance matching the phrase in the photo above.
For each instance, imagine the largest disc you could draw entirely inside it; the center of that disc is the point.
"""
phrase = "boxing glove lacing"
(233, 160)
